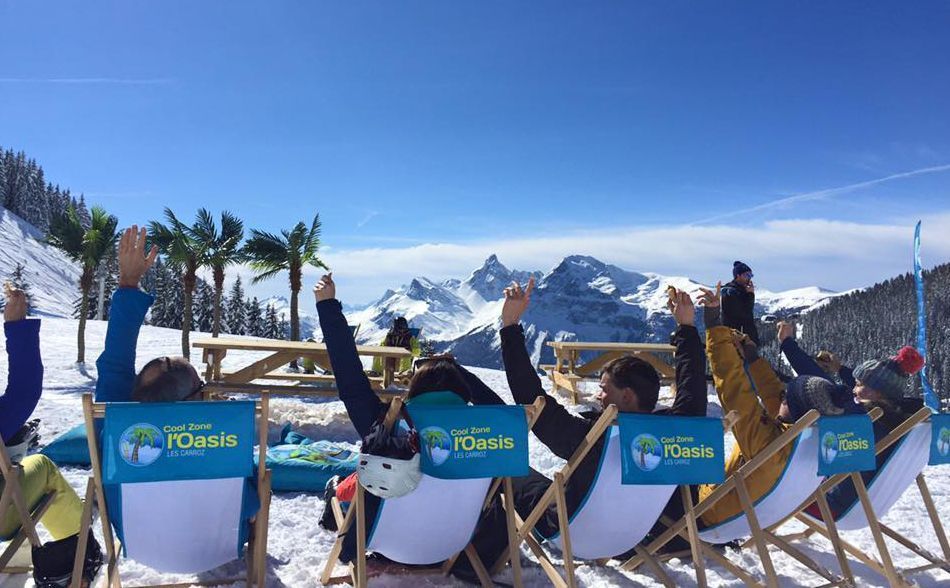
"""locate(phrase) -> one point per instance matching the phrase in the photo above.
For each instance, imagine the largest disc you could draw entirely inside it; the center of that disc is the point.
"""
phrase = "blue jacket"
(25, 375)
(116, 364)
(805, 365)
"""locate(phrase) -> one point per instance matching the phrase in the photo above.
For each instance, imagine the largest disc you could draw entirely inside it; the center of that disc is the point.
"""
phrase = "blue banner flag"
(846, 444)
(177, 441)
(930, 398)
(461, 442)
(671, 450)
(939, 439)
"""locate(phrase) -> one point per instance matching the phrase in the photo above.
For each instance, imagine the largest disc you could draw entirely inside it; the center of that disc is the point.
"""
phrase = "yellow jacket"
(405, 364)
(757, 425)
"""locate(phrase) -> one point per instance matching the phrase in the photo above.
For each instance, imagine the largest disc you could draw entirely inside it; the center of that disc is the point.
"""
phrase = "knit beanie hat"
(811, 392)
(739, 268)
(889, 376)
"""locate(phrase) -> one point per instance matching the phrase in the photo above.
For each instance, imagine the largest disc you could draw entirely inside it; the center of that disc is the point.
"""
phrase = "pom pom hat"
(889, 376)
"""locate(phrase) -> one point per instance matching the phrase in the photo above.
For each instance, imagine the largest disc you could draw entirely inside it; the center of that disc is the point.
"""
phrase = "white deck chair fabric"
(160, 521)
(614, 518)
(447, 510)
(898, 473)
(799, 480)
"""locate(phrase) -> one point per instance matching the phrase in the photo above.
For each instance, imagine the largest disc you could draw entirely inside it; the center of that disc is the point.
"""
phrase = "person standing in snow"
(629, 383)
(38, 475)
(399, 335)
(738, 302)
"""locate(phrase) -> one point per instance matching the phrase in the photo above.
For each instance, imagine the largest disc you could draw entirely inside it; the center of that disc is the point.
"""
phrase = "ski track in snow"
(298, 548)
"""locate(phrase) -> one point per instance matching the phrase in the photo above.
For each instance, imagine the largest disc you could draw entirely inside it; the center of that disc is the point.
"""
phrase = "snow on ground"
(298, 548)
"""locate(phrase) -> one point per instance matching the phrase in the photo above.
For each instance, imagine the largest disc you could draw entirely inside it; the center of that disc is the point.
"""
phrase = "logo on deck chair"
(437, 443)
(829, 447)
(141, 444)
(943, 442)
(647, 452)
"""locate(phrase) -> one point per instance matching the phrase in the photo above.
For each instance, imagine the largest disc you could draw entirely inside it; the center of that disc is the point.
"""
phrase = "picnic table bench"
(279, 353)
(567, 371)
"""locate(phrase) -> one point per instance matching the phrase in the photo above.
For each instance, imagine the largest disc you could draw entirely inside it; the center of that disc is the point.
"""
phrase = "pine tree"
(17, 278)
(272, 324)
(253, 316)
(204, 307)
(235, 315)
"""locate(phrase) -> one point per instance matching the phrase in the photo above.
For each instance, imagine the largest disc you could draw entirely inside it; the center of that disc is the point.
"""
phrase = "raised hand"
(711, 299)
(325, 288)
(15, 309)
(516, 302)
(786, 329)
(133, 261)
(683, 310)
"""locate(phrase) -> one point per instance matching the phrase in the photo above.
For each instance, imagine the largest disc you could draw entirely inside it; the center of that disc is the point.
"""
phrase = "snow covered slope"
(53, 277)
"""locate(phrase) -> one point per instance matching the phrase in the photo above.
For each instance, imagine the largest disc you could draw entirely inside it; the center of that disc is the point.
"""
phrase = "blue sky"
(658, 136)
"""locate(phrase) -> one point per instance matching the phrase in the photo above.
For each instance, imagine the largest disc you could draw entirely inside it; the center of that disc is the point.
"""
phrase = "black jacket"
(563, 432)
(738, 309)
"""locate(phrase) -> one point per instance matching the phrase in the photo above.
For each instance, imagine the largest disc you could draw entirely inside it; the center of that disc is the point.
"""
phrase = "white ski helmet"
(389, 477)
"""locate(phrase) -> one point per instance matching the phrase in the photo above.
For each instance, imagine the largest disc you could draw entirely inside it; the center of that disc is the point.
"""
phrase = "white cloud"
(784, 254)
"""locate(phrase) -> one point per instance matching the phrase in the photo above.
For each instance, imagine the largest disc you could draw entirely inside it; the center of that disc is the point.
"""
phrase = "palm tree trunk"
(189, 288)
(218, 293)
(81, 332)
(294, 322)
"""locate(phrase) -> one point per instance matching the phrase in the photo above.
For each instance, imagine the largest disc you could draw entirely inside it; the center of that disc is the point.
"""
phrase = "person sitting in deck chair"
(876, 383)
(448, 383)
(630, 383)
(38, 475)
(163, 379)
(762, 418)
(824, 364)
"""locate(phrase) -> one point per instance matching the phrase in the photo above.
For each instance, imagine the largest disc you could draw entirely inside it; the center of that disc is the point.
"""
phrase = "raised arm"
(690, 359)
(362, 404)
(801, 362)
(25, 371)
(561, 431)
(116, 364)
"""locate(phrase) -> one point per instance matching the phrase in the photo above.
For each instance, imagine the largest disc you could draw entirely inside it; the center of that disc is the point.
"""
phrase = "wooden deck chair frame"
(556, 493)
(761, 537)
(256, 552)
(355, 514)
(12, 496)
(885, 565)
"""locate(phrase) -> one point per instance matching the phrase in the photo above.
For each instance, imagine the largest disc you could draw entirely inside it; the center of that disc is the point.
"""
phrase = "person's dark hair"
(439, 376)
(640, 376)
(165, 379)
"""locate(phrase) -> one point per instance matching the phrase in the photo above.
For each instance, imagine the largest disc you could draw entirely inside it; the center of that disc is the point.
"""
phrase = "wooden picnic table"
(567, 371)
(280, 353)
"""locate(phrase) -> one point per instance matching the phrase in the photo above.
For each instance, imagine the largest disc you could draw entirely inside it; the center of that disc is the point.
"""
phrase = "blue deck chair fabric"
(438, 519)
(890, 482)
(177, 479)
(70, 448)
(798, 481)
(599, 528)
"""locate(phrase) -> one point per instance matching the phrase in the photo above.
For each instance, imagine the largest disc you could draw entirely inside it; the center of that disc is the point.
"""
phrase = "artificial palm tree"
(221, 250)
(183, 251)
(88, 246)
(270, 254)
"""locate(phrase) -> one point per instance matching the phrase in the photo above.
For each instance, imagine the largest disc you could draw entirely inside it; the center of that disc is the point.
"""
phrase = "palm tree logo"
(943, 441)
(141, 444)
(437, 444)
(646, 451)
(829, 447)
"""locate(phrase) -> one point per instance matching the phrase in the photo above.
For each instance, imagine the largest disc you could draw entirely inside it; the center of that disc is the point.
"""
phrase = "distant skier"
(738, 302)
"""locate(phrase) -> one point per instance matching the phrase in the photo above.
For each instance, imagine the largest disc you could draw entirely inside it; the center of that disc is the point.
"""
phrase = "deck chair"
(903, 467)
(798, 481)
(440, 515)
(178, 504)
(12, 497)
(598, 530)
